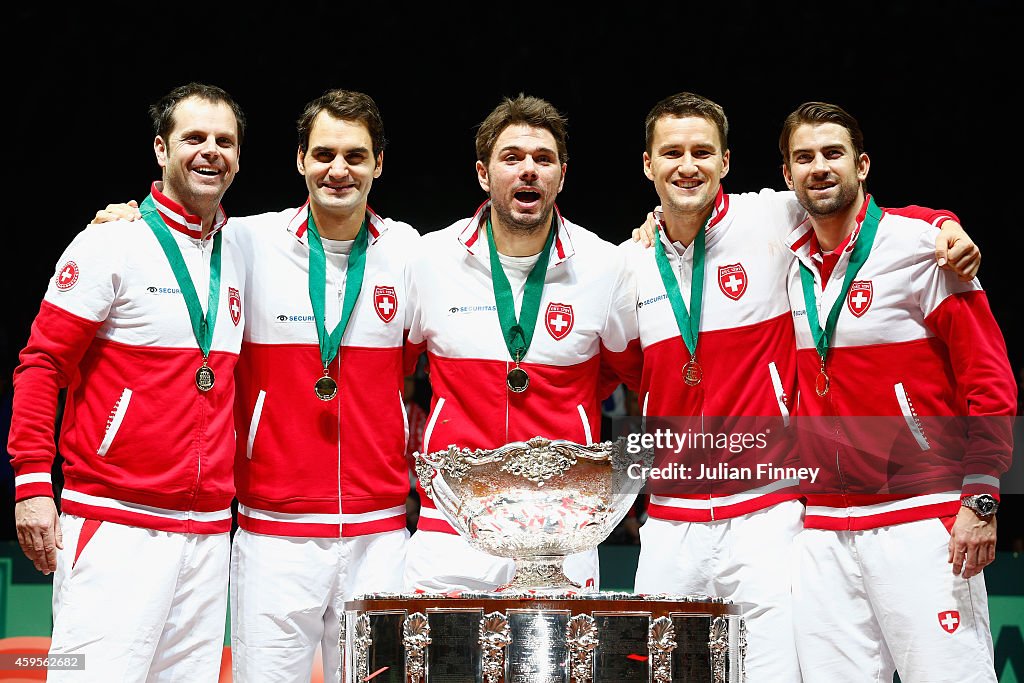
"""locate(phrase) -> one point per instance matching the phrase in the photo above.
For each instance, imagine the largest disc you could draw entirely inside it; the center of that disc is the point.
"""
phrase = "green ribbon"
(688, 321)
(518, 333)
(861, 249)
(202, 326)
(331, 343)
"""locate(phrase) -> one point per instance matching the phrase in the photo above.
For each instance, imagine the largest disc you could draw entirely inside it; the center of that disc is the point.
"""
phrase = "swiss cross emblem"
(859, 298)
(234, 305)
(67, 276)
(949, 621)
(385, 302)
(558, 319)
(732, 280)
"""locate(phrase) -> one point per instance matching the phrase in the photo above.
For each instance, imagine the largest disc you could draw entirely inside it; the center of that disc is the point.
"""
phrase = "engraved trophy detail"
(534, 501)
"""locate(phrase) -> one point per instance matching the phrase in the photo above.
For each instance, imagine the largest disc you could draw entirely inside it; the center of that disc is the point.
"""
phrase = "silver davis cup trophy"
(536, 502)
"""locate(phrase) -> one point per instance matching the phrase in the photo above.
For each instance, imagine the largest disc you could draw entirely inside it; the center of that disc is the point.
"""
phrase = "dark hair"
(686, 104)
(347, 105)
(816, 113)
(162, 112)
(526, 110)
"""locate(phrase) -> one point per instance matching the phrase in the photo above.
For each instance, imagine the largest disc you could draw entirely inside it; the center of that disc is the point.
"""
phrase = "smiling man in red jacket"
(142, 326)
(882, 331)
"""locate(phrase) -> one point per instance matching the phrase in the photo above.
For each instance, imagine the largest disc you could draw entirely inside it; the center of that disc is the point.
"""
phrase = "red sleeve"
(985, 381)
(620, 367)
(48, 363)
(932, 216)
(411, 355)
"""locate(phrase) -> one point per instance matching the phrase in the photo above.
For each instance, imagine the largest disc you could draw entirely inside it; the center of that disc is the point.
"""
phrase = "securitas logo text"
(295, 318)
(163, 290)
(471, 309)
(648, 302)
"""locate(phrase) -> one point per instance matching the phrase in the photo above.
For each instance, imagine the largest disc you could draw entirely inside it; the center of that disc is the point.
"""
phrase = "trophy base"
(539, 574)
(600, 637)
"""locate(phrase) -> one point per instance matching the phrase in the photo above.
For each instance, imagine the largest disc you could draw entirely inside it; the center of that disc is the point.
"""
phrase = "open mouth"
(687, 184)
(337, 188)
(527, 196)
(208, 172)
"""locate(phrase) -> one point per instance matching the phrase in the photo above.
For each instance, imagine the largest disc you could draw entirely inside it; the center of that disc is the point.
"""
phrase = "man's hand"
(645, 233)
(956, 251)
(972, 543)
(39, 531)
(119, 212)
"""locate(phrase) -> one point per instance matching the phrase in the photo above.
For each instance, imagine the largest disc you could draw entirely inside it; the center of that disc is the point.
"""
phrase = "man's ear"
(160, 149)
(863, 166)
(647, 167)
(481, 176)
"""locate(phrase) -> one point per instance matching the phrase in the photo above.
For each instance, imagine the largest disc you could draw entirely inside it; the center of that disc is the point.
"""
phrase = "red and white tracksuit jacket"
(588, 303)
(745, 349)
(922, 350)
(306, 467)
(142, 445)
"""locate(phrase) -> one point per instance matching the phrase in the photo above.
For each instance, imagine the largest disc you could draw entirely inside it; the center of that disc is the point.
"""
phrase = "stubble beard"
(200, 200)
(823, 208)
(517, 226)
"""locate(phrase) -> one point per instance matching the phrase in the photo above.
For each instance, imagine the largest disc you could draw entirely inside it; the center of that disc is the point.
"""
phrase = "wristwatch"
(983, 504)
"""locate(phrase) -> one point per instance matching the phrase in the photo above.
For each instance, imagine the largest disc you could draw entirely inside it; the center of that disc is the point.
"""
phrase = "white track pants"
(746, 559)
(288, 596)
(141, 605)
(868, 602)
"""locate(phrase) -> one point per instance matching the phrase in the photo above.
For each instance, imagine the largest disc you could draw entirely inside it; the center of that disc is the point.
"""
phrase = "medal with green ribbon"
(202, 325)
(325, 387)
(688, 321)
(518, 333)
(861, 249)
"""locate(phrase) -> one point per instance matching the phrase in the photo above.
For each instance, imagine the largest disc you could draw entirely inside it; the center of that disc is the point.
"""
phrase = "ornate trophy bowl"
(535, 501)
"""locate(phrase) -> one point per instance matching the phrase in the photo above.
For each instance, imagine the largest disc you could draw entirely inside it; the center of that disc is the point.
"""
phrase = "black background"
(933, 85)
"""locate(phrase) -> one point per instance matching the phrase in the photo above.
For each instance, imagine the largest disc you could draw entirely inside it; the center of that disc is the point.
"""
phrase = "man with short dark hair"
(514, 306)
(142, 326)
(882, 331)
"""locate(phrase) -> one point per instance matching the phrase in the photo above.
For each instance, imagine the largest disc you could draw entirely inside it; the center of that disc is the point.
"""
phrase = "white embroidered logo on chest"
(860, 297)
(558, 320)
(385, 302)
(732, 280)
(234, 305)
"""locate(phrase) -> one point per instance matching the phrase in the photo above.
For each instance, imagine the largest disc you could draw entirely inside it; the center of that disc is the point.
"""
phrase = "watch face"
(986, 504)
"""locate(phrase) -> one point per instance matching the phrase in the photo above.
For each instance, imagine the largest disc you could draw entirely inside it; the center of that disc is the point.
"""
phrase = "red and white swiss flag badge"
(732, 280)
(860, 296)
(67, 276)
(385, 302)
(234, 305)
(949, 620)
(558, 319)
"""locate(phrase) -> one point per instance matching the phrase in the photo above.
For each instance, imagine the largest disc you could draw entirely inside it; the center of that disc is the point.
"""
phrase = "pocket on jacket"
(910, 416)
(114, 421)
(254, 423)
